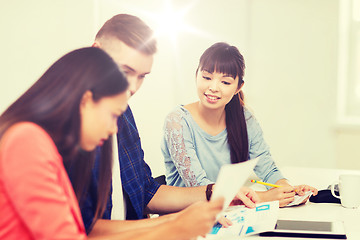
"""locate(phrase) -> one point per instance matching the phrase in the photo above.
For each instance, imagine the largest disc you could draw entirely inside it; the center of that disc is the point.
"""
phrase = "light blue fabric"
(193, 157)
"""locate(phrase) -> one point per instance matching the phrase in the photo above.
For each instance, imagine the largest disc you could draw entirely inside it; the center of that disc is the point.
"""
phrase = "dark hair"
(131, 30)
(53, 103)
(224, 58)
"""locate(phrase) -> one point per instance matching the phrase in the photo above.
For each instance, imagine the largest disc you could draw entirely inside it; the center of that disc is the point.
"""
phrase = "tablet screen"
(307, 229)
(304, 225)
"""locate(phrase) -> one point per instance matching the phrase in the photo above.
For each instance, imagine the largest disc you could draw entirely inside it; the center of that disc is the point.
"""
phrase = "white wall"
(292, 69)
(34, 34)
(290, 49)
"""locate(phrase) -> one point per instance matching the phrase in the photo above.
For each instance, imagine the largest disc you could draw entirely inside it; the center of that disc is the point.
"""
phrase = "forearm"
(169, 199)
(172, 230)
(103, 226)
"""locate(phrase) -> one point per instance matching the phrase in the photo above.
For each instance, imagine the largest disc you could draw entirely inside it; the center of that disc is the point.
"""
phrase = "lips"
(211, 98)
(102, 142)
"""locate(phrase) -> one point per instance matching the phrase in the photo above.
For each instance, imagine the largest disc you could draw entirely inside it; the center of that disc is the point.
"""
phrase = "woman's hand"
(302, 189)
(299, 189)
(284, 195)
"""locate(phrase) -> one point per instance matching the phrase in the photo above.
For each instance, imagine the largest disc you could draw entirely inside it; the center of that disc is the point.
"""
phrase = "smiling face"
(99, 118)
(215, 89)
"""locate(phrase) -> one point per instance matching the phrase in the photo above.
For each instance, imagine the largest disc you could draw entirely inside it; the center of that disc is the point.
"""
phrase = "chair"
(161, 179)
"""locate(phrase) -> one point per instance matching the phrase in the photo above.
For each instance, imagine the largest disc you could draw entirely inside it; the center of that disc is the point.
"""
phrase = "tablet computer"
(307, 229)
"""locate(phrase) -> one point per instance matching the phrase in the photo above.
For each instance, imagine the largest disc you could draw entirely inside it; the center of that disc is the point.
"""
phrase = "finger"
(285, 201)
(287, 189)
(225, 222)
(315, 192)
(253, 196)
(306, 188)
(288, 195)
(247, 201)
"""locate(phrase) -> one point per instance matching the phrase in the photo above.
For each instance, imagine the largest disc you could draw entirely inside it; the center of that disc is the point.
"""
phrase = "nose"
(132, 84)
(213, 85)
(114, 128)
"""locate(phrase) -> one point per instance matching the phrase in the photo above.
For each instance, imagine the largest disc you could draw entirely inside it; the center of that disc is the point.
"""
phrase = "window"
(349, 63)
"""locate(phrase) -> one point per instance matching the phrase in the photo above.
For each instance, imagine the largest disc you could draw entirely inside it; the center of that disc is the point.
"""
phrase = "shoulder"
(25, 130)
(127, 116)
(126, 123)
(178, 119)
(252, 123)
(249, 116)
(27, 136)
(177, 114)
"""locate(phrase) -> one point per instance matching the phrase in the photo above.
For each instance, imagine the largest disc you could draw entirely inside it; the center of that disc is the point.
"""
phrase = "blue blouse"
(193, 157)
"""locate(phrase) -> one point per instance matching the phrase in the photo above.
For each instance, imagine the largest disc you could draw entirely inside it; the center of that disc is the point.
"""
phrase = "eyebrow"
(224, 75)
(228, 76)
(131, 69)
(127, 67)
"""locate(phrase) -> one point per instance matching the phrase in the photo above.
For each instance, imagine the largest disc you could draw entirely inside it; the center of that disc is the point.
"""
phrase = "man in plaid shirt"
(128, 40)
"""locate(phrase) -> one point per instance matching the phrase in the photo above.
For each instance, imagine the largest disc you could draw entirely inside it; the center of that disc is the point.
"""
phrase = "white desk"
(320, 178)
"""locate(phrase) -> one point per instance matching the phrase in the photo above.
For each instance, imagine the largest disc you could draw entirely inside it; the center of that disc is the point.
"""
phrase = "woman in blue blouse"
(218, 129)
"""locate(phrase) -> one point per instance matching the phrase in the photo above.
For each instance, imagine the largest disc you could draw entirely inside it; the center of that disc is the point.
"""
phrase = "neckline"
(190, 117)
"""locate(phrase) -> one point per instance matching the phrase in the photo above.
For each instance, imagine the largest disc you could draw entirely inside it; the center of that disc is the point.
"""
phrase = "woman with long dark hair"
(218, 129)
(55, 126)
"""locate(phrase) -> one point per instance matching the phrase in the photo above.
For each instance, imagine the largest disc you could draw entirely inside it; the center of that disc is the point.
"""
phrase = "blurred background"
(302, 64)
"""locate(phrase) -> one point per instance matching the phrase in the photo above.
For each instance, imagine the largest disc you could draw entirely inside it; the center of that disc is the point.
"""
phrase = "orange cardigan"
(37, 200)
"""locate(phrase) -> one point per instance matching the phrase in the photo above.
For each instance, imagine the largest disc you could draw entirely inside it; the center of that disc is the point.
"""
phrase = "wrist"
(262, 195)
(283, 182)
(208, 191)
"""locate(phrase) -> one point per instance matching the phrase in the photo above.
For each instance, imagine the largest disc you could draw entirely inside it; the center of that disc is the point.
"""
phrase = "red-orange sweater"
(37, 200)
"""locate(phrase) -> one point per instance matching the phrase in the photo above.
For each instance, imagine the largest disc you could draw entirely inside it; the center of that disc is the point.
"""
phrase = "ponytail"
(236, 129)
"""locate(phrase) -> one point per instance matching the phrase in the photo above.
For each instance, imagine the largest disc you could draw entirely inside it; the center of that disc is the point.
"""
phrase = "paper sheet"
(231, 178)
(299, 199)
(247, 221)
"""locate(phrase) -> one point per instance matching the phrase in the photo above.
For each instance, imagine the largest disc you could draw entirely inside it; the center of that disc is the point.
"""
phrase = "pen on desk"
(264, 183)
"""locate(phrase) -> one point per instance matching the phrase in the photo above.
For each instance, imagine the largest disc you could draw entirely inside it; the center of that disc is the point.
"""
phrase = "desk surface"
(321, 179)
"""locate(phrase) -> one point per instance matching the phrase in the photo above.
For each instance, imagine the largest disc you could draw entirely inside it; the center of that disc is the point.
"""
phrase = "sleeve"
(151, 186)
(136, 176)
(181, 147)
(266, 168)
(31, 171)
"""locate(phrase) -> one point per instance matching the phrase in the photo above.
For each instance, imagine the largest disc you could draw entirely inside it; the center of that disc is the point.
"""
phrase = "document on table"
(231, 178)
(299, 199)
(247, 221)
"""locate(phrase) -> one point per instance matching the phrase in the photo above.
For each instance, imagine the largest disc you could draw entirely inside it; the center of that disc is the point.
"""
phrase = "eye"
(142, 77)
(226, 83)
(206, 78)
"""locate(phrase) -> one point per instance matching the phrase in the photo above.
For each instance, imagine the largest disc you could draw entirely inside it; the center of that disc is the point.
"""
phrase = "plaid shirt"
(138, 185)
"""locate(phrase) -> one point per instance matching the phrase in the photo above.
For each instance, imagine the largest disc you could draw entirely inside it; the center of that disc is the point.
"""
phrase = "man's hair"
(131, 30)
